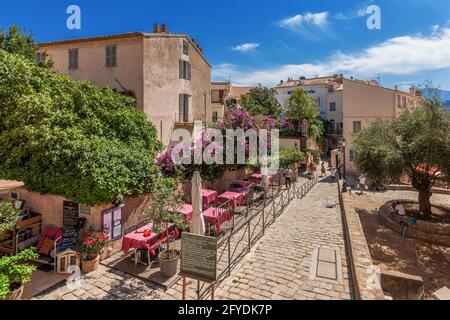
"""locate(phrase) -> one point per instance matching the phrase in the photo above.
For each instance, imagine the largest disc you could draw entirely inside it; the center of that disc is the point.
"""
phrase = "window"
(356, 126)
(186, 47)
(403, 101)
(40, 56)
(184, 108)
(352, 155)
(217, 96)
(215, 116)
(111, 56)
(332, 106)
(112, 221)
(73, 59)
(185, 70)
(289, 93)
(399, 101)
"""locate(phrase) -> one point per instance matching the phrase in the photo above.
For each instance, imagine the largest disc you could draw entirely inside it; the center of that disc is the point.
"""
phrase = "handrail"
(248, 236)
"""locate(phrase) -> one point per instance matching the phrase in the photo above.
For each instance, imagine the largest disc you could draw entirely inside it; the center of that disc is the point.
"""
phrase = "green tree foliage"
(71, 138)
(18, 42)
(261, 101)
(8, 215)
(413, 144)
(302, 106)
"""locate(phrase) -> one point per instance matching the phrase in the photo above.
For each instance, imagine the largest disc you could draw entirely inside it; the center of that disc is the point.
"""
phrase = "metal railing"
(246, 232)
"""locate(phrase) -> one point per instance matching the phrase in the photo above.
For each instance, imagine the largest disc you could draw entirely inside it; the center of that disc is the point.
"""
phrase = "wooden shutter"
(181, 63)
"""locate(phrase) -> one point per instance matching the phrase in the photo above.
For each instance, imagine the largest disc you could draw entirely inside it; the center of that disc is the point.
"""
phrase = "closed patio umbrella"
(197, 225)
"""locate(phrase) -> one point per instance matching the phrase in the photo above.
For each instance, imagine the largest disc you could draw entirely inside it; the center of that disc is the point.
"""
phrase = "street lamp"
(343, 143)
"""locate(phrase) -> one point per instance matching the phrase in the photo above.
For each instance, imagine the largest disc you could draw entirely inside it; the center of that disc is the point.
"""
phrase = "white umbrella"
(197, 225)
(264, 174)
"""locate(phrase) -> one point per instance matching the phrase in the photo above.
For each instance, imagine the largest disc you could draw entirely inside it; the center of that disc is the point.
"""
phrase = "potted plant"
(14, 273)
(8, 215)
(90, 247)
(166, 195)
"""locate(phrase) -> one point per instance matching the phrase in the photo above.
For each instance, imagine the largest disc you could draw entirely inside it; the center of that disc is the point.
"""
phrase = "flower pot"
(16, 294)
(169, 266)
(90, 265)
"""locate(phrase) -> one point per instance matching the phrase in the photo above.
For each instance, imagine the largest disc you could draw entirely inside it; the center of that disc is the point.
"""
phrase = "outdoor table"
(185, 209)
(257, 177)
(136, 239)
(236, 198)
(217, 216)
(209, 196)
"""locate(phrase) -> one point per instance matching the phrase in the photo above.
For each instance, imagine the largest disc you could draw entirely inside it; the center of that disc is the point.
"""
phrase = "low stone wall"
(437, 233)
(363, 272)
(402, 286)
(408, 187)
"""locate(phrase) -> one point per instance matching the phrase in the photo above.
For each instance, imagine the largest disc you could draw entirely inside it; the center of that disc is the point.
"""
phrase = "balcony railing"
(334, 131)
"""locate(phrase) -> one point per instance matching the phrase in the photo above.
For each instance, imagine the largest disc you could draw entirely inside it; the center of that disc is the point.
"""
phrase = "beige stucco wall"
(92, 59)
(149, 66)
(365, 103)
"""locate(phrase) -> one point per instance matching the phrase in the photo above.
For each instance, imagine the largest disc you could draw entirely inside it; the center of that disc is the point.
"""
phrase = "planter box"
(28, 222)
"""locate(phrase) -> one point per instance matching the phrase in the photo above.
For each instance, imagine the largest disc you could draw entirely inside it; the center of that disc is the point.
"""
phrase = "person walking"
(288, 177)
(362, 183)
(323, 170)
(333, 175)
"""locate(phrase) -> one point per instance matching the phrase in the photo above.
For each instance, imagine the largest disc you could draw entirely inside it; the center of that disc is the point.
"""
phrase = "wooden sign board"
(86, 210)
(198, 257)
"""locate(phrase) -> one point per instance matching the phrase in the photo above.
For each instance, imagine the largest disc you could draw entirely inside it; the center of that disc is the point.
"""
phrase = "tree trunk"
(424, 201)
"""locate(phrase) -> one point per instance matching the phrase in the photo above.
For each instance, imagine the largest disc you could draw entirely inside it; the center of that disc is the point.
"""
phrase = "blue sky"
(265, 41)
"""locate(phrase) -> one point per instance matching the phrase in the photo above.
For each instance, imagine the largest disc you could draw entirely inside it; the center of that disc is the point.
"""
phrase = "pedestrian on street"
(362, 183)
(333, 175)
(288, 177)
(323, 170)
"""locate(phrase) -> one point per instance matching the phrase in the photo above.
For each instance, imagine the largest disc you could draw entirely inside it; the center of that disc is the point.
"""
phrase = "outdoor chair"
(54, 234)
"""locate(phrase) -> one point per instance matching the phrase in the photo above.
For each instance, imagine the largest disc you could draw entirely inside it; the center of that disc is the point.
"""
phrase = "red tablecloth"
(217, 216)
(185, 209)
(237, 198)
(257, 177)
(136, 239)
(209, 196)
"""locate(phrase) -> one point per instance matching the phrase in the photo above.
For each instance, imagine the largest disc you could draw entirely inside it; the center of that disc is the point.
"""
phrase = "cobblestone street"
(279, 267)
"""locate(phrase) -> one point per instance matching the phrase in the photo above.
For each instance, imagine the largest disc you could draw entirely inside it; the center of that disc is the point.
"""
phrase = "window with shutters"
(111, 56)
(352, 155)
(356, 126)
(184, 108)
(73, 59)
(185, 70)
(332, 106)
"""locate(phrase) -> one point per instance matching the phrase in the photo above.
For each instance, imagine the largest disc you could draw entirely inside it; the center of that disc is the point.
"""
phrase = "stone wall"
(437, 233)
(402, 286)
(362, 267)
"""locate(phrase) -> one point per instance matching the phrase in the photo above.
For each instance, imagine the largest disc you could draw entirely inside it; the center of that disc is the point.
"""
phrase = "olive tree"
(416, 144)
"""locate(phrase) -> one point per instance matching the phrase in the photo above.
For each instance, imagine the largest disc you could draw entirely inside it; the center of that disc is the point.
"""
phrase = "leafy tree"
(302, 106)
(413, 144)
(261, 101)
(71, 138)
(18, 42)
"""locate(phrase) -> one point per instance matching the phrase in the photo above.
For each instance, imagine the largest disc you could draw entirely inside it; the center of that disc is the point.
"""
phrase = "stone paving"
(284, 266)
(278, 267)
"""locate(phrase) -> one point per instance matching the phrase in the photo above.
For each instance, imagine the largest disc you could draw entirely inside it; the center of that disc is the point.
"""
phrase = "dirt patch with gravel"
(392, 252)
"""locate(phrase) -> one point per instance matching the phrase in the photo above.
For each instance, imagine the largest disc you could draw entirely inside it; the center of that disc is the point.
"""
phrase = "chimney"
(412, 89)
(164, 28)
(156, 28)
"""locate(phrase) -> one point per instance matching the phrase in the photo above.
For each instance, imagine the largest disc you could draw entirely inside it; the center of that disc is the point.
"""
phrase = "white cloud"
(246, 47)
(319, 19)
(404, 55)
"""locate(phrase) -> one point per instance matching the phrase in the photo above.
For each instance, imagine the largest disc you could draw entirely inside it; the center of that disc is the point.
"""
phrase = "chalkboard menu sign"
(198, 257)
(70, 214)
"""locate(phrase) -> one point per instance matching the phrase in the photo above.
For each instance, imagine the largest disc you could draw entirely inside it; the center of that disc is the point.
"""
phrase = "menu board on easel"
(70, 214)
